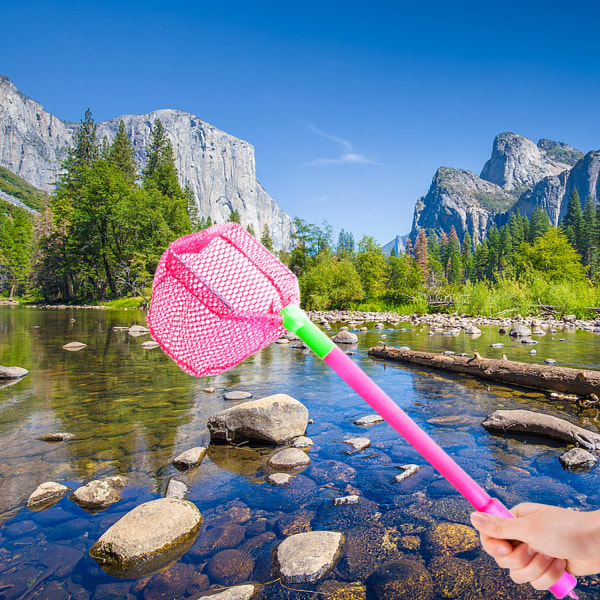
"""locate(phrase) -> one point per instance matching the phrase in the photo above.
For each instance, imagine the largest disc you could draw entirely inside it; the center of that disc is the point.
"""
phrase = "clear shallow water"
(131, 411)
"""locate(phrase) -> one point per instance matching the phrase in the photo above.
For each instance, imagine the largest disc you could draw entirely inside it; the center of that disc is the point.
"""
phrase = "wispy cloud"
(348, 157)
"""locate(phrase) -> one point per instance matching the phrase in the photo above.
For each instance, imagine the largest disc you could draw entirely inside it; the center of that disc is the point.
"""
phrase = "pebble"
(357, 444)
(345, 500)
(176, 489)
(368, 420)
(190, 458)
(408, 471)
(302, 442)
(237, 395)
(497, 345)
(12, 372)
(56, 437)
(209, 390)
(533, 351)
(549, 361)
(74, 346)
(290, 458)
(280, 479)
(150, 345)
(46, 495)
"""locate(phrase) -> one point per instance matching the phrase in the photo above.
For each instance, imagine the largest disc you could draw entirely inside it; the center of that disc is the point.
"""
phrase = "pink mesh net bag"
(216, 299)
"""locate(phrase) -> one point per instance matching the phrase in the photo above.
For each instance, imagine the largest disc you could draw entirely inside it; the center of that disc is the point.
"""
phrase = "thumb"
(499, 527)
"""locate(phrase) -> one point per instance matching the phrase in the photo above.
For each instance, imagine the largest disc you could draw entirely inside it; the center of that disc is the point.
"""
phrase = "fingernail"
(479, 519)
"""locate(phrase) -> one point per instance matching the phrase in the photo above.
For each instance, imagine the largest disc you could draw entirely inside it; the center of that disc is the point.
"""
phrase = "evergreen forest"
(100, 236)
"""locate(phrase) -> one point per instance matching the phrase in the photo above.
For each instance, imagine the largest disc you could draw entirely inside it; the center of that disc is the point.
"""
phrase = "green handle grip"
(296, 321)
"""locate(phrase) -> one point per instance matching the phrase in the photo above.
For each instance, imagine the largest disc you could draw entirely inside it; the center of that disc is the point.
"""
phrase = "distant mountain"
(396, 244)
(519, 175)
(16, 192)
(219, 167)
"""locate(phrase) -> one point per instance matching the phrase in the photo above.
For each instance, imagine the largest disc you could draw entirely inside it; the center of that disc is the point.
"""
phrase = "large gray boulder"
(148, 538)
(275, 419)
(519, 331)
(308, 557)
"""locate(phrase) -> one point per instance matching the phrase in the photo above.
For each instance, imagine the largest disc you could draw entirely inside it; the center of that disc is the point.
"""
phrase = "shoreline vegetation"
(99, 238)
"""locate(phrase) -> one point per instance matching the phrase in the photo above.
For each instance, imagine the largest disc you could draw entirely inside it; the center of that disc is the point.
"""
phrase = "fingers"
(500, 527)
(542, 572)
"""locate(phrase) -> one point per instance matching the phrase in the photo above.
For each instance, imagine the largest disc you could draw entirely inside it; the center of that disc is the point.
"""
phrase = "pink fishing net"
(216, 299)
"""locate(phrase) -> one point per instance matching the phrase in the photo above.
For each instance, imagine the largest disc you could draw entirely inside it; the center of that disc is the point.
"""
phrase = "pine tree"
(588, 234)
(483, 269)
(420, 253)
(467, 258)
(345, 245)
(454, 268)
(265, 239)
(83, 154)
(538, 225)
(234, 216)
(573, 222)
(122, 155)
(160, 172)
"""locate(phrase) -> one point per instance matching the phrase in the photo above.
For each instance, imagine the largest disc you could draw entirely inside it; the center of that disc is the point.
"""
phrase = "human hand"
(552, 539)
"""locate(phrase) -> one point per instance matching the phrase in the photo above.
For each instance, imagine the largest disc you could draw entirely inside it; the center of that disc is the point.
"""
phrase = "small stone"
(150, 345)
(379, 326)
(407, 471)
(56, 437)
(12, 372)
(237, 395)
(239, 592)
(577, 458)
(46, 495)
(176, 489)
(282, 341)
(345, 500)
(549, 361)
(369, 420)
(138, 330)
(533, 352)
(302, 442)
(190, 458)
(280, 479)
(357, 444)
(345, 337)
(209, 390)
(74, 346)
(308, 557)
(498, 345)
(519, 331)
(289, 458)
(98, 494)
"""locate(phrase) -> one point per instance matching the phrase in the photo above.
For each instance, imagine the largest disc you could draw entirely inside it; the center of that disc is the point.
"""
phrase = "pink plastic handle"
(361, 383)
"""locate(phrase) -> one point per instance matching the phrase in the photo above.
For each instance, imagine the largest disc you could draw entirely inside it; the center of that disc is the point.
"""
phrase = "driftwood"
(525, 421)
(582, 382)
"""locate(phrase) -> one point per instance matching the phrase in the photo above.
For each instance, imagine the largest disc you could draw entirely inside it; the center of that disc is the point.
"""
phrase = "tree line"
(101, 235)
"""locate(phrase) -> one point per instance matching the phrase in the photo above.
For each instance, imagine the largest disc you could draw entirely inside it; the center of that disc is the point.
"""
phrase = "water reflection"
(131, 411)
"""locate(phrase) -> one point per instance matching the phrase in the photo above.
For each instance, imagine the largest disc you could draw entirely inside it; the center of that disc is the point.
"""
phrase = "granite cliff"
(519, 175)
(219, 167)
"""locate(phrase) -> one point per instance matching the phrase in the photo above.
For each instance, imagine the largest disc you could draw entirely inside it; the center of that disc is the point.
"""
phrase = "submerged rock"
(302, 442)
(12, 372)
(190, 458)
(276, 419)
(345, 500)
(230, 567)
(150, 345)
(448, 539)
(577, 458)
(46, 495)
(405, 579)
(56, 437)
(308, 557)
(100, 493)
(280, 479)
(369, 420)
(237, 395)
(148, 538)
(176, 489)
(357, 444)
(290, 458)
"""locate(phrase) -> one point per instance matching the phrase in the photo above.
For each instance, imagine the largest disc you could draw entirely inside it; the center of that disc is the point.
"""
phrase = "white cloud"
(348, 157)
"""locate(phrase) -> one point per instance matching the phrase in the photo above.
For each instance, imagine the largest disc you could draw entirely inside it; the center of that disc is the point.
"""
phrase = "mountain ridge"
(219, 167)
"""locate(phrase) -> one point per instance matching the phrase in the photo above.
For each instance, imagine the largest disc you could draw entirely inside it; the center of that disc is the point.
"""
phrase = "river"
(131, 411)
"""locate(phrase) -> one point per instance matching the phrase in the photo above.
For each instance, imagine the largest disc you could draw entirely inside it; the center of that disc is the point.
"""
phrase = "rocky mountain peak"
(560, 152)
(219, 167)
(517, 163)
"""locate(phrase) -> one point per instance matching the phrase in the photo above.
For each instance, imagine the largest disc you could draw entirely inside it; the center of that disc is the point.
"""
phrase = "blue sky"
(351, 106)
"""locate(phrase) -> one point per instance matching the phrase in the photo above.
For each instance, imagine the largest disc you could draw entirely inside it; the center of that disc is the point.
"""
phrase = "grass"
(17, 187)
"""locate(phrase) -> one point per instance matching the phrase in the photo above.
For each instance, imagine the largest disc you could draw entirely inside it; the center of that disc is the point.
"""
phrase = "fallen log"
(582, 382)
(526, 421)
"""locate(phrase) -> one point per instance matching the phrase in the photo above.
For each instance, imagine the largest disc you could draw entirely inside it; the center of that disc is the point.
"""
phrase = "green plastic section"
(296, 321)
